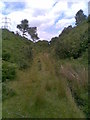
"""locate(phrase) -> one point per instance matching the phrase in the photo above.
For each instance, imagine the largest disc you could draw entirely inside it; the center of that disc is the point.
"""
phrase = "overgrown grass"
(36, 98)
(46, 86)
(16, 49)
(7, 92)
(77, 77)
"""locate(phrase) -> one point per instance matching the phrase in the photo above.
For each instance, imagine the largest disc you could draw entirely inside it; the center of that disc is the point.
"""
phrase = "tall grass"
(78, 75)
(78, 84)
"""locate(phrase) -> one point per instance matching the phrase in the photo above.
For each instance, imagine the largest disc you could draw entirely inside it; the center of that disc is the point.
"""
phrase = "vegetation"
(72, 42)
(7, 92)
(80, 17)
(46, 79)
(8, 71)
(23, 26)
(32, 31)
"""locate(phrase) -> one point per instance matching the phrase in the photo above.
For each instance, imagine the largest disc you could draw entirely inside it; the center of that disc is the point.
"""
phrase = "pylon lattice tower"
(7, 22)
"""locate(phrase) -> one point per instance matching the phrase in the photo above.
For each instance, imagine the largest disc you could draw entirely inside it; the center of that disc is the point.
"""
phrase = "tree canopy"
(32, 31)
(24, 28)
(80, 17)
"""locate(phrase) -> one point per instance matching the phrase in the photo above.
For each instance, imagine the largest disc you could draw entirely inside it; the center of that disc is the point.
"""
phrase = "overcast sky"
(49, 16)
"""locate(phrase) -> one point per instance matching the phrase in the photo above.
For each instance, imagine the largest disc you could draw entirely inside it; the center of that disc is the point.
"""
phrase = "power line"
(7, 22)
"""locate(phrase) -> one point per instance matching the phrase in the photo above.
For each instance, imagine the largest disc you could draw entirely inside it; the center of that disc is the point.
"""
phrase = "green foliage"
(7, 92)
(8, 71)
(82, 101)
(22, 64)
(32, 31)
(51, 87)
(80, 17)
(53, 41)
(16, 49)
(5, 56)
(72, 44)
(40, 99)
(62, 50)
(66, 30)
(23, 26)
(41, 46)
(28, 52)
(77, 76)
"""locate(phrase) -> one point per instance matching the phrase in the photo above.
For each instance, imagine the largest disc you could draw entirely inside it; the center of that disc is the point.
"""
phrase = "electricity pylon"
(7, 22)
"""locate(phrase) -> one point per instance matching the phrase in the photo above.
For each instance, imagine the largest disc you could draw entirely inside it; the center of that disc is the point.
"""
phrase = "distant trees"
(24, 28)
(80, 17)
(66, 30)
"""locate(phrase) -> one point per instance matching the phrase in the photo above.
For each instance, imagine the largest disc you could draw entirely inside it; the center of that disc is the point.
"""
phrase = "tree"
(80, 17)
(32, 31)
(23, 27)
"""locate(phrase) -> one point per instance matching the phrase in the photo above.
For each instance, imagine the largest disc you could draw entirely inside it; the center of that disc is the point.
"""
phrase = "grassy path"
(41, 93)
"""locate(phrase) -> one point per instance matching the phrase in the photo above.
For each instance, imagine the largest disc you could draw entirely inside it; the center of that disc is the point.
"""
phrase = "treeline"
(73, 41)
(32, 31)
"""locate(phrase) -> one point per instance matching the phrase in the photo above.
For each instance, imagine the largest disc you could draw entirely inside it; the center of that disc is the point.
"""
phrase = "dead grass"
(78, 76)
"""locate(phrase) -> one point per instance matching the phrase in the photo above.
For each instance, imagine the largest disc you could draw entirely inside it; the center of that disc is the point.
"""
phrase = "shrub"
(62, 50)
(5, 56)
(8, 71)
(7, 92)
(23, 64)
(28, 52)
(74, 48)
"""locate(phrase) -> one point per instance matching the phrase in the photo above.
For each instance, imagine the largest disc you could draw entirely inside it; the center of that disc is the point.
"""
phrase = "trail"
(40, 92)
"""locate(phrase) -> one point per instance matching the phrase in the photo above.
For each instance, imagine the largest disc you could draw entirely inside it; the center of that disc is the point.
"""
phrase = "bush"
(23, 64)
(7, 92)
(68, 49)
(5, 56)
(8, 71)
(28, 52)
(62, 50)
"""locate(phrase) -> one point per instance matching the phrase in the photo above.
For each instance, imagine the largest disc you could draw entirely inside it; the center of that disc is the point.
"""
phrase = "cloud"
(44, 35)
(50, 16)
(65, 23)
(40, 4)
(10, 7)
(2, 6)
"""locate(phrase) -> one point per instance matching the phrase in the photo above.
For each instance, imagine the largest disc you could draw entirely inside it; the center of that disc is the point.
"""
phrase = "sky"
(49, 16)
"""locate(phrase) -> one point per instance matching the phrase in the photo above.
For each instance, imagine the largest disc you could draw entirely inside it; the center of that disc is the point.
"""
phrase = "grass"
(20, 53)
(36, 98)
(77, 78)
(45, 86)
